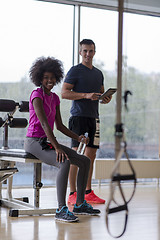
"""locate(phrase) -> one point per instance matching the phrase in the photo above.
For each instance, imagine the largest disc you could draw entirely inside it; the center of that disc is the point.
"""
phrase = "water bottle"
(82, 146)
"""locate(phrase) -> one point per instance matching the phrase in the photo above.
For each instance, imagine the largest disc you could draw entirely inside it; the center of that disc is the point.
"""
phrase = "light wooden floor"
(143, 223)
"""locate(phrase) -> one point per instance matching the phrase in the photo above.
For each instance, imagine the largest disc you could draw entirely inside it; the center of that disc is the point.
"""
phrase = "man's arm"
(102, 89)
(68, 93)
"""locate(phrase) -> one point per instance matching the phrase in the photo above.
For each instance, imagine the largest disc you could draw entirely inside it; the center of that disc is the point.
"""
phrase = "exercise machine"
(9, 158)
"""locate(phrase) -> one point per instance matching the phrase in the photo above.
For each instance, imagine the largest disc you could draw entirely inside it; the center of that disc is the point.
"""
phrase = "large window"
(30, 29)
(141, 75)
(103, 30)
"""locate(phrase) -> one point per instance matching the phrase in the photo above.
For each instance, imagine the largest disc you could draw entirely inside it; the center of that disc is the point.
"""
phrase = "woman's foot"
(85, 209)
(65, 215)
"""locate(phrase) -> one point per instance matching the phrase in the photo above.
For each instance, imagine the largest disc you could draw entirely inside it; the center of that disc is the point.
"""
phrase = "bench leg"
(22, 207)
(10, 182)
(37, 183)
(0, 190)
(37, 186)
(7, 177)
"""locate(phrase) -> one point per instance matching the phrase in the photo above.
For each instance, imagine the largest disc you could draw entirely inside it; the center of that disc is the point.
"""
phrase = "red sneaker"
(92, 198)
(72, 198)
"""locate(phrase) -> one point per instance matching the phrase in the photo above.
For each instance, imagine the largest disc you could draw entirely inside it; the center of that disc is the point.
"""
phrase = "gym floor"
(143, 221)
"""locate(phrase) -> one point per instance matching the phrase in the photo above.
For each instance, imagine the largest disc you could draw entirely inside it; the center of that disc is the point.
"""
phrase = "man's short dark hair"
(87, 42)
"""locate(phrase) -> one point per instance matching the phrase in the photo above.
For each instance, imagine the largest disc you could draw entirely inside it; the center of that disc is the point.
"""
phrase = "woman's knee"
(65, 164)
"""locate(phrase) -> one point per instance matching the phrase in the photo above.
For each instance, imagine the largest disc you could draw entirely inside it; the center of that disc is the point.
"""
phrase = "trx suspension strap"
(120, 144)
(116, 182)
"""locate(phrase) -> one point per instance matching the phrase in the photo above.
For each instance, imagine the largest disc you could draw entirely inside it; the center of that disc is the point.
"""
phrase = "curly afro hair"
(42, 65)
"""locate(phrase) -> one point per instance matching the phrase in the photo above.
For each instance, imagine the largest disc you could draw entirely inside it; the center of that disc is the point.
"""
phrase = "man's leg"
(90, 196)
(76, 124)
(90, 153)
(73, 176)
(73, 182)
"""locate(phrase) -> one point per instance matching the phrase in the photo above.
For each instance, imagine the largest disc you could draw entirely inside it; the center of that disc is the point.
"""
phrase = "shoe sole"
(63, 220)
(95, 202)
(84, 213)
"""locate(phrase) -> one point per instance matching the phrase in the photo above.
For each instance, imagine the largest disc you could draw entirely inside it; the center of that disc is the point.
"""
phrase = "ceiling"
(148, 7)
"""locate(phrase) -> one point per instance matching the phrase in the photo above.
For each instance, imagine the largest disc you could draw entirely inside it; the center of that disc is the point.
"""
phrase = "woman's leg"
(49, 157)
(83, 163)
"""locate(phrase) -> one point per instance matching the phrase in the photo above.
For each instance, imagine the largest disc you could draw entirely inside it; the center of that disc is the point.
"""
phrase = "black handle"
(7, 105)
(18, 123)
(127, 177)
(24, 106)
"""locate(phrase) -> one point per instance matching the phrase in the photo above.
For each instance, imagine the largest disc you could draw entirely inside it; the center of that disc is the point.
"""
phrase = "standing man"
(83, 85)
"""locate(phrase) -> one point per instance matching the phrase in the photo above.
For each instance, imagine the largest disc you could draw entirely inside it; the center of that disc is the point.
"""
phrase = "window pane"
(102, 28)
(30, 29)
(142, 78)
(141, 75)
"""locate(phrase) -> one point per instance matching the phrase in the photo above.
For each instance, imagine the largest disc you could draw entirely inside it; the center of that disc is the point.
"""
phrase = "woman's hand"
(61, 155)
(83, 139)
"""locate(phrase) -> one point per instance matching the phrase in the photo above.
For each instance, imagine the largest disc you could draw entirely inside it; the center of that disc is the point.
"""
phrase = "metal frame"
(147, 7)
(76, 34)
(21, 206)
(8, 159)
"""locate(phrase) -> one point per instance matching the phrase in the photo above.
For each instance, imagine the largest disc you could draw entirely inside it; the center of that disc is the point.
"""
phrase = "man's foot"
(85, 209)
(92, 198)
(72, 198)
(65, 215)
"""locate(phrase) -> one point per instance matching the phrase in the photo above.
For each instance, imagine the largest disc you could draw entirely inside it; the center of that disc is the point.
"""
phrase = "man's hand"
(92, 96)
(106, 100)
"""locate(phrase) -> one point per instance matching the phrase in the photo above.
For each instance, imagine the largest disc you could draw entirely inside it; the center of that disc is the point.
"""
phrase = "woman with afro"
(44, 108)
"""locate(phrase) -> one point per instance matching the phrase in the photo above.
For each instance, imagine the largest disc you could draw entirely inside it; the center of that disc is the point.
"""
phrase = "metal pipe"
(119, 77)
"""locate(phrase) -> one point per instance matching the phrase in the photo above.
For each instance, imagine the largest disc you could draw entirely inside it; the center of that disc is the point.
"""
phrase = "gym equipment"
(8, 159)
(116, 182)
(120, 143)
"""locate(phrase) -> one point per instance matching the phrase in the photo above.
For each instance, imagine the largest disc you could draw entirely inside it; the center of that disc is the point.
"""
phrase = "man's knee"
(91, 153)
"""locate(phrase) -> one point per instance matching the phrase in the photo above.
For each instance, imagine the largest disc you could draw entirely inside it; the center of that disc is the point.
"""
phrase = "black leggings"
(33, 146)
